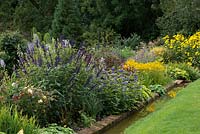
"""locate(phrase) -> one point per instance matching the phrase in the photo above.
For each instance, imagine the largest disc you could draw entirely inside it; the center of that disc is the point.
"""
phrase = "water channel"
(154, 106)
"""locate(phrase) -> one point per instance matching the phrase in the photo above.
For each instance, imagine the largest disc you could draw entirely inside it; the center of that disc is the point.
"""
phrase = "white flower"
(40, 101)
(30, 91)
(2, 63)
(14, 85)
(44, 97)
(102, 60)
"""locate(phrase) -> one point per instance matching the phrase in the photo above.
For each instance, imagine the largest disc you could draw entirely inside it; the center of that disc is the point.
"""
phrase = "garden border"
(110, 121)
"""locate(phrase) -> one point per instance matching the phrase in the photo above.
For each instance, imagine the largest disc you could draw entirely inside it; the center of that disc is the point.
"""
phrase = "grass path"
(180, 115)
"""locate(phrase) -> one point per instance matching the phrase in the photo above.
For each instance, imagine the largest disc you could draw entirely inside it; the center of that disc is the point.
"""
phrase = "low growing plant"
(12, 121)
(55, 129)
(159, 89)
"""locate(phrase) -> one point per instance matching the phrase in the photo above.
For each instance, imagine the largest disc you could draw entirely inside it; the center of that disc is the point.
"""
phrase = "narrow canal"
(154, 106)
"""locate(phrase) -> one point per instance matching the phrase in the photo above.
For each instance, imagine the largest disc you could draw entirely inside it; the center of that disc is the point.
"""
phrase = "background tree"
(179, 16)
(67, 19)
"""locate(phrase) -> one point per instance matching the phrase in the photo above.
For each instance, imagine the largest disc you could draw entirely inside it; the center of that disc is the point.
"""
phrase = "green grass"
(180, 115)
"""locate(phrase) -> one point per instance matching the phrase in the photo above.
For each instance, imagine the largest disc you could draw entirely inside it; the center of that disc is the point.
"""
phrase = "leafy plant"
(148, 78)
(55, 129)
(177, 73)
(192, 73)
(12, 121)
(157, 89)
(86, 121)
(133, 41)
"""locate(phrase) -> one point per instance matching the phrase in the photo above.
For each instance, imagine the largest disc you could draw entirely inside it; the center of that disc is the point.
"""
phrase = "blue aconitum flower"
(2, 63)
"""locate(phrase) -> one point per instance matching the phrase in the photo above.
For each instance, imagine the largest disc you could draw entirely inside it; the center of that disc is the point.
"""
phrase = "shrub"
(11, 122)
(183, 71)
(10, 44)
(177, 73)
(121, 92)
(183, 49)
(69, 76)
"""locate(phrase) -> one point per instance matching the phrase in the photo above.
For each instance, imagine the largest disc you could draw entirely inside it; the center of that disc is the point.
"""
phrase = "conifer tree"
(67, 19)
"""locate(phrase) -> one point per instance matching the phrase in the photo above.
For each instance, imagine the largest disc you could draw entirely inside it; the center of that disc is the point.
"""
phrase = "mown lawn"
(180, 115)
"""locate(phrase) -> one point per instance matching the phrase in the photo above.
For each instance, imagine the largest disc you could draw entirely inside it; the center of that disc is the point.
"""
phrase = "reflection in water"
(155, 106)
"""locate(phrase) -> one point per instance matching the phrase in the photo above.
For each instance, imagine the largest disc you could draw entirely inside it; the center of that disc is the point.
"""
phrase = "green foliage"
(54, 129)
(183, 71)
(66, 19)
(10, 44)
(99, 36)
(6, 14)
(133, 41)
(32, 13)
(148, 78)
(157, 89)
(179, 16)
(108, 56)
(12, 121)
(58, 71)
(177, 73)
(122, 92)
(86, 121)
(124, 52)
(125, 17)
(193, 72)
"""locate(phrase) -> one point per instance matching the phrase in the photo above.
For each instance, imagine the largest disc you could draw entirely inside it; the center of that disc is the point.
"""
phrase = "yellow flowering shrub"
(184, 49)
(132, 65)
